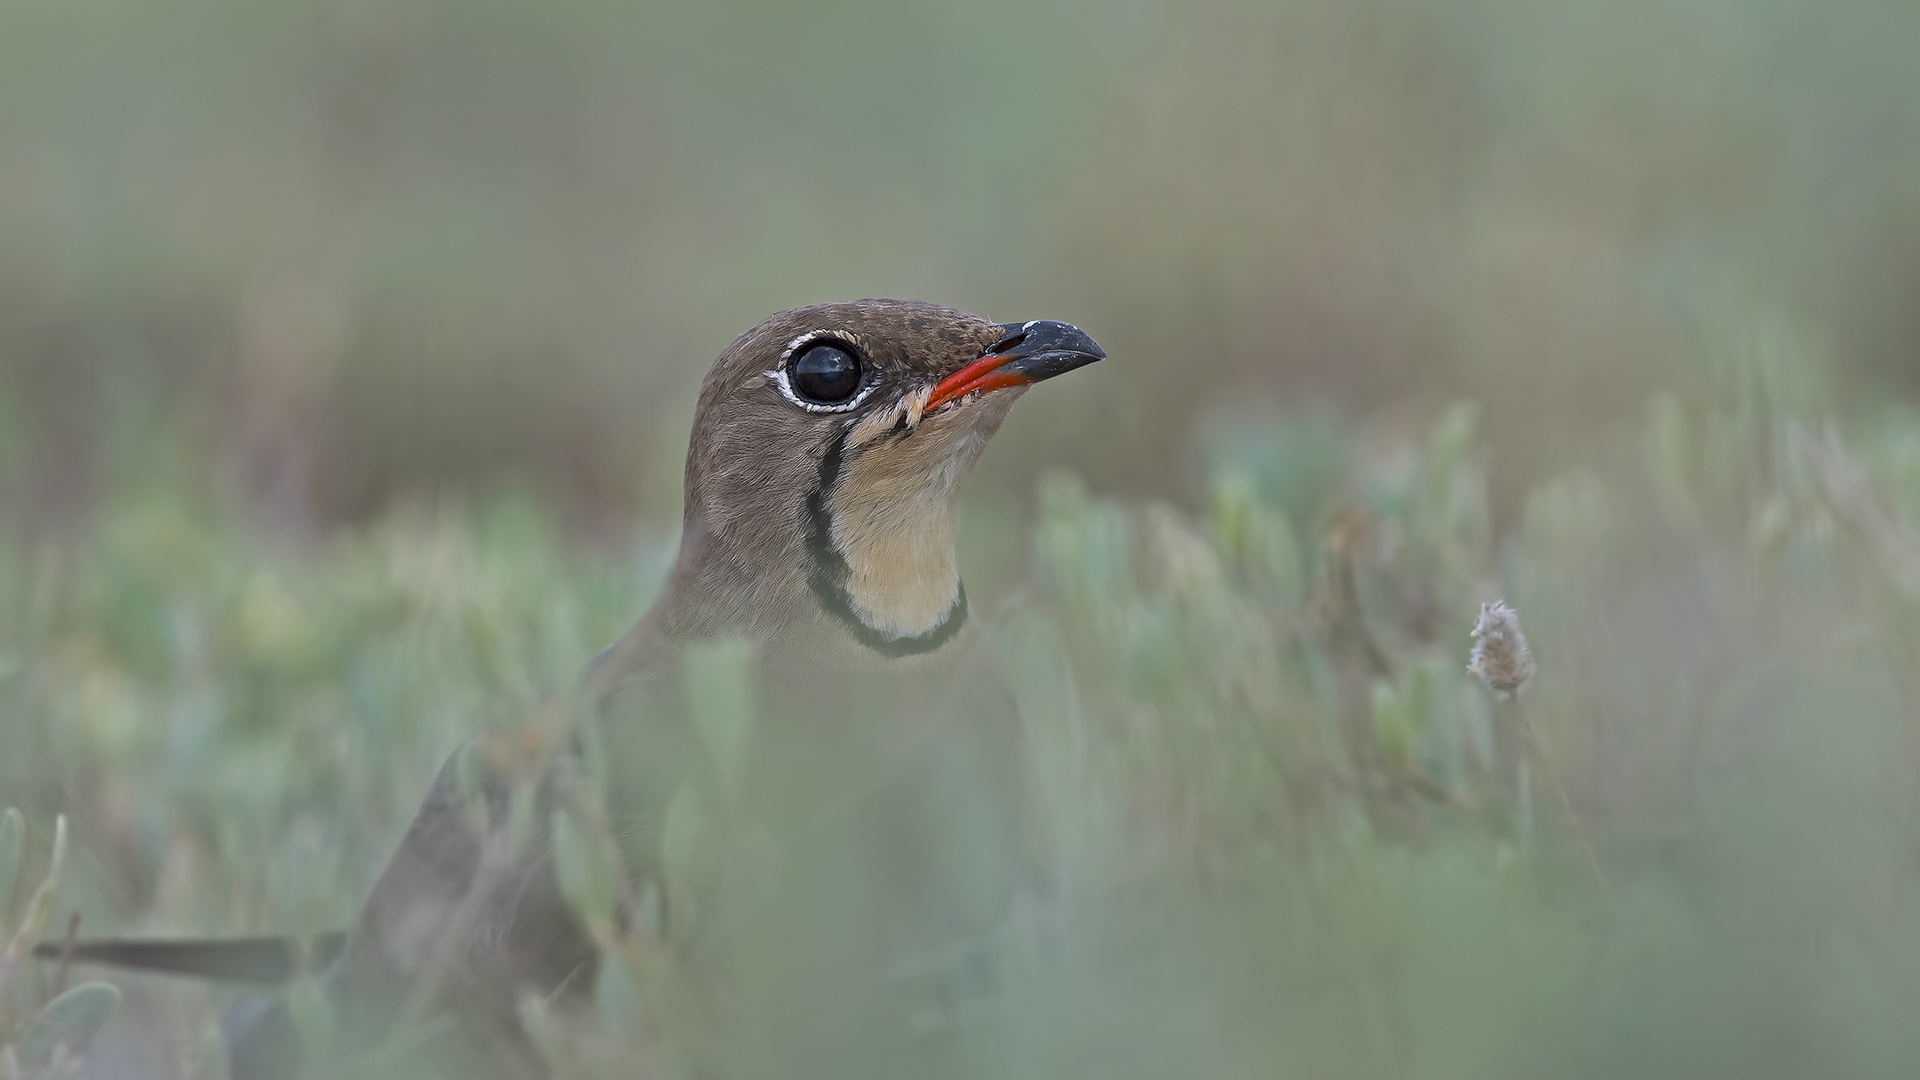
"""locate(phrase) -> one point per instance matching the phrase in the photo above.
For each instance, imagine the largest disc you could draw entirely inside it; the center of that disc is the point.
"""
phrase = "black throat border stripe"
(827, 574)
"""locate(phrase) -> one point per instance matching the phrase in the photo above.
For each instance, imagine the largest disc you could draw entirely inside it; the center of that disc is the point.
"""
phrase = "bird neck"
(873, 558)
(879, 540)
(894, 589)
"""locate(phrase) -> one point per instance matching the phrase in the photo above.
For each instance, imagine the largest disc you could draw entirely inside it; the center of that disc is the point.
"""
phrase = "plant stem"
(1538, 749)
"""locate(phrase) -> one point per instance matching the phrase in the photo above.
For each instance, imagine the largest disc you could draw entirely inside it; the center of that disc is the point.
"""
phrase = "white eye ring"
(868, 384)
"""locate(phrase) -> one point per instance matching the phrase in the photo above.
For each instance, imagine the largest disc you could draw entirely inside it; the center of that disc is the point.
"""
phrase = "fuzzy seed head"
(1500, 657)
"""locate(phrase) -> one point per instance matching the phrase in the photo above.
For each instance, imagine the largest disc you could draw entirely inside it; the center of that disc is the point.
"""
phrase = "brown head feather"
(764, 472)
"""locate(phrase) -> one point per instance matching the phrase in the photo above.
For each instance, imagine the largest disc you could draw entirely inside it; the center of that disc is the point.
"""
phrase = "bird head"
(828, 448)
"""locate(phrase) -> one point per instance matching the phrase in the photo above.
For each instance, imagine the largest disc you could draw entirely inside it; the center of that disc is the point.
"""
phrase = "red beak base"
(1026, 353)
(981, 376)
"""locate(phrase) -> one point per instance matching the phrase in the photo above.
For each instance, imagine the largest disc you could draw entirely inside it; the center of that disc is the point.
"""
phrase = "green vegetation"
(46, 1041)
(1290, 833)
(347, 349)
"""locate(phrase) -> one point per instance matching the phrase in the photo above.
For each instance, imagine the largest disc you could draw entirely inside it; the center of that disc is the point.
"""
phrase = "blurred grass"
(1282, 826)
(346, 352)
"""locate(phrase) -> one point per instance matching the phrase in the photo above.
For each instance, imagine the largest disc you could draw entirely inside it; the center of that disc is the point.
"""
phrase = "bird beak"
(1026, 353)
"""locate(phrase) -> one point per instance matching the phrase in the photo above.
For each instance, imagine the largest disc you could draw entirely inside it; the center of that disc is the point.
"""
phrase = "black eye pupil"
(825, 373)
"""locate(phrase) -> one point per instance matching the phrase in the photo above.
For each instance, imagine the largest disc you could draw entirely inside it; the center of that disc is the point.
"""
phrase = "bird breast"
(892, 518)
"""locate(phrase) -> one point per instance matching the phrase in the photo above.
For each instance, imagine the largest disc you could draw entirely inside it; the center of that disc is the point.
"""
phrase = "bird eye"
(825, 374)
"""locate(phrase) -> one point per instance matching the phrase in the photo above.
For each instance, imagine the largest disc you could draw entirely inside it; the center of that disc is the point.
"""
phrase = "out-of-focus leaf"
(1081, 549)
(1259, 538)
(1667, 452)
(13, 852)
(586, 880)
(313, 1016)
(615, 997)
(33, 921)
(1392, 724)
(683, 860)
(719, 686)
(68, 1020)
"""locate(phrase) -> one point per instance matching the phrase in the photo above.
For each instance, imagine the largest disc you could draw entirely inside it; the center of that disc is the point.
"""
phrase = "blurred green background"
(347, 352)
(358, 250)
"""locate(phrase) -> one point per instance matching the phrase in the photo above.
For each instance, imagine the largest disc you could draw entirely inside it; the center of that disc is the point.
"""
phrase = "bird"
(828, 448)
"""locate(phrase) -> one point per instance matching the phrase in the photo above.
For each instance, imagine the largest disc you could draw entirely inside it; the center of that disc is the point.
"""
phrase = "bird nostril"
(1006, 344)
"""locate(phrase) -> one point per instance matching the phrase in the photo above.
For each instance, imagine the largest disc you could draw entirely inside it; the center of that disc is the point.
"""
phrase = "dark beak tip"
(1046, 336)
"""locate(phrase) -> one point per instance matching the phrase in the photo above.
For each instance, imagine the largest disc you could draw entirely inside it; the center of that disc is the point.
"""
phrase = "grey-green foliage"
(62, 1027)
(1271, 806)
(1333, 898)
(39, 1040)
(13, 853)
